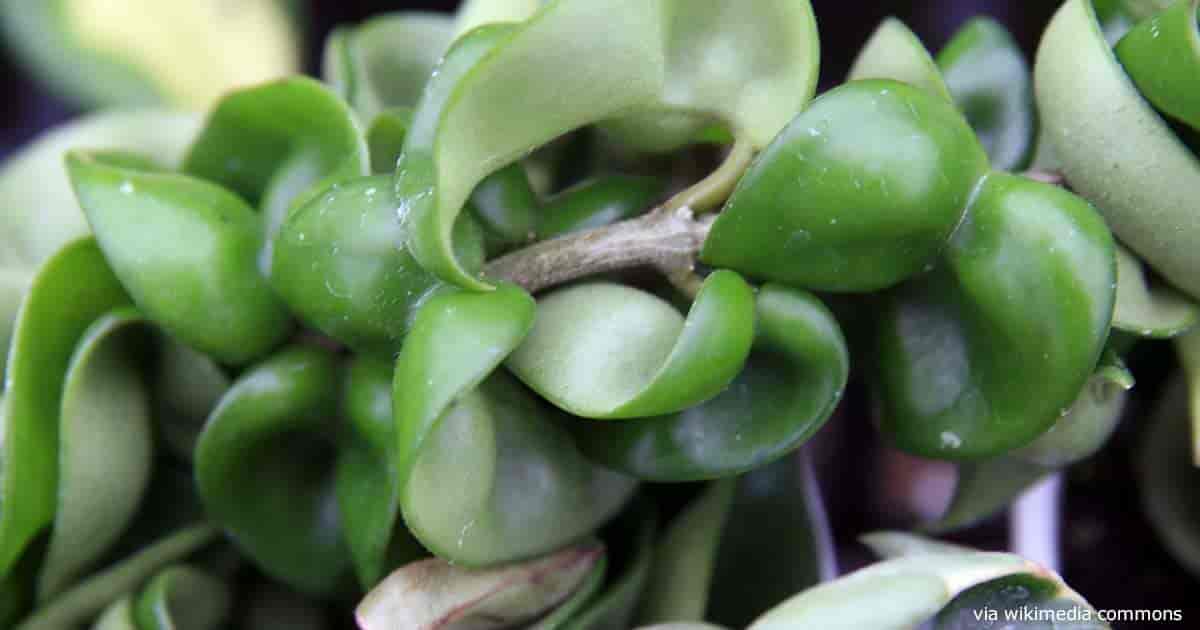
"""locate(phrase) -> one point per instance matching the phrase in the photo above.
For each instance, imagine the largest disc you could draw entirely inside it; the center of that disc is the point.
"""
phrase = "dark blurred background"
(1110, 554)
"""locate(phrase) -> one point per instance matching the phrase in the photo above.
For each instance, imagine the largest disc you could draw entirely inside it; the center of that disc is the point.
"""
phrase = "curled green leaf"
(1115, 149)
(895, 52)
(43, 343)
(469, 436)
(185, 249)
(859, 192)
(748, 66)
(434, 594)
(989, 79)
(493, 101)
(385, 61)
(789, 386)
(264, 469)
(342, 265)
(38, 208)
(1162, 56)
(609, 351)
(982, 354)
(277, 145)
(476, 13)
(104, 448)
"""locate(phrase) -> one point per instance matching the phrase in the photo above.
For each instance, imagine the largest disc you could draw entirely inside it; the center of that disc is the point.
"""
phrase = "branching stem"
(665, 239)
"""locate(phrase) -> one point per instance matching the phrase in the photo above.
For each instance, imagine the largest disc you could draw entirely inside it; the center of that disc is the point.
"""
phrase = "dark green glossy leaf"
(277, 145)
(484, 111)
(264, 469)
(789, 386)
(87, 599)
(1115, 149)
(610, 351)
(467, 446)
(983, 354)
(45, 338)
(859, 192)
(385, 61)
(368, 490)
(185, 249)
(134, 53)
(342, 265)
(1149, 310)
(750, 66)
(1162, 56)
(104, 448)
(895, 52)
(38, 208)
(183, 598)
(596, 203)
(990, 81)
(434, 594)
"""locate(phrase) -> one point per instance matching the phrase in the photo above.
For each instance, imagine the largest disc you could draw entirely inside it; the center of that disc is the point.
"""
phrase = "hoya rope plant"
(521, 318)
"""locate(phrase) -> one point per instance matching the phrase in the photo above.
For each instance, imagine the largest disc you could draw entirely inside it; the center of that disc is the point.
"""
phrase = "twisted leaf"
(859, 192)
(1115, 149)
(45, 338)
(264, 469)
(471, 439)
(990, 81)
(749, 66)
(104, 449)
(983, 354)
(342, 266)
(185, 249)
(609, 351)
(37, 205)
(487, 109)
(1162, 56)
(433, 594)
(277, 145)
(789, 386)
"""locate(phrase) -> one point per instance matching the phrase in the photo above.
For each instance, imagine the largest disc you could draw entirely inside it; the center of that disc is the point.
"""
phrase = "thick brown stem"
(665, 239)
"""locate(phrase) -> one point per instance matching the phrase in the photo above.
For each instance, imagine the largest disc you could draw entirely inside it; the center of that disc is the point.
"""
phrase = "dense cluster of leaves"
(306, 333)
